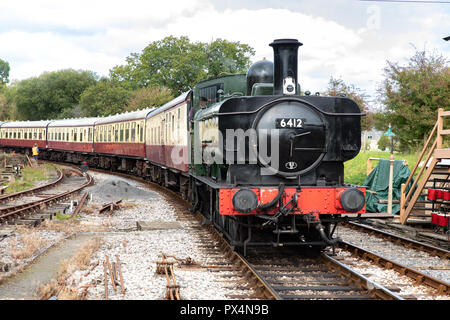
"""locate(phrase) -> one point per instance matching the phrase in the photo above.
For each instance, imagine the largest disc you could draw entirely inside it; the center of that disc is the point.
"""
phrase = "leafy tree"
(412, 94)
(338, 87)
(104, 98)
(149, 97)
(8, 109)
(178, 64)
(51, 94)
(383, 143)
(227, 57)
(4, 72)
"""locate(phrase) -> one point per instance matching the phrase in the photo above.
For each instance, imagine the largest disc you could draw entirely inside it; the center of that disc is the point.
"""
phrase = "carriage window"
(133, 131)
(159, 135)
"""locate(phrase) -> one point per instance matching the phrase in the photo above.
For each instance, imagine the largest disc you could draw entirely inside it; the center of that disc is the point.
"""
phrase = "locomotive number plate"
(281, 123)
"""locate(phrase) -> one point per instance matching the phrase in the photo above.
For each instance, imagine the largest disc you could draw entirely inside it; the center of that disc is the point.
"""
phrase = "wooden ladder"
(436, 153)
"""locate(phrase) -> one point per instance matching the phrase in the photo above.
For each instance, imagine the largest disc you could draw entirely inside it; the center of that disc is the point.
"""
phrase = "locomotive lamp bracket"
(289, 86)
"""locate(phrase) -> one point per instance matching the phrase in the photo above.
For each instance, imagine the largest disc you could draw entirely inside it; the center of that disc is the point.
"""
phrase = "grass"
(355, 169)
(26, 245)
(62, 216)
(60, 286)
(29, 177)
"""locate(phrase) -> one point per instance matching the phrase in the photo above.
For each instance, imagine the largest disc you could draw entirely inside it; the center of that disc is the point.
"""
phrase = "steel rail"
(262, 287)
(421, 278)
(35, 189)
(440, 252)
(38, 204)
(375, 289)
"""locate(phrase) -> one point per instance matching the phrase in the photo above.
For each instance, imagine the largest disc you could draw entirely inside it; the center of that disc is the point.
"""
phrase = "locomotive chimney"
(285, 53)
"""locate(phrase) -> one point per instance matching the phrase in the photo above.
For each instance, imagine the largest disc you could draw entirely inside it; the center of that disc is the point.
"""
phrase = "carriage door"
(162, 154)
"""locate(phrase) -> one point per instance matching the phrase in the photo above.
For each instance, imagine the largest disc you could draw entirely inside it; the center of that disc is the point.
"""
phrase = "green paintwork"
(234, 85)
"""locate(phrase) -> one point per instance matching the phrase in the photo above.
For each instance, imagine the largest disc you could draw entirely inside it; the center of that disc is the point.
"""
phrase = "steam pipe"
(321, 230)
(275, 200)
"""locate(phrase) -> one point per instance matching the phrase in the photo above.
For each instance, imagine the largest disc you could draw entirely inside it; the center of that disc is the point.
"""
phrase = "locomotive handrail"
(291, 99)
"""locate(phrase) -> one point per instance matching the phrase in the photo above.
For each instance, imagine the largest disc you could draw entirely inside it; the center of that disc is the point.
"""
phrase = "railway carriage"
(122, 134)
(119, 141)
(167, 134)
(24, 134)
(166, 144)
(75, 135)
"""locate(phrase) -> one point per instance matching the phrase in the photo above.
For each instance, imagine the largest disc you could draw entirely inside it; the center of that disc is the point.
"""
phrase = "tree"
(8, 109)
(149, 97)
(51, 94)
(4, 72)
(412, 94)
(224, 57)
(384, 143)
(178, 64)
(338, 87)
(104, 98)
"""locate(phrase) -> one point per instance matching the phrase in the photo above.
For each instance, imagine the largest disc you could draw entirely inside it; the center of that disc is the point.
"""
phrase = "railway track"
(322, 277)
(51, 184)
(294, 277)
(397, 239)
(26, 212)
(287, 275)
(441, 287)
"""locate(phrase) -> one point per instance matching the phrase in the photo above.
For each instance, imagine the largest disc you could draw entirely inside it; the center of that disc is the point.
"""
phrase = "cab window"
(210, 93)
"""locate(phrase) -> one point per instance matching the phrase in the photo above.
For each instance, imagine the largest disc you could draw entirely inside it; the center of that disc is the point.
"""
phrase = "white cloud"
(89, 14)
(49, 35)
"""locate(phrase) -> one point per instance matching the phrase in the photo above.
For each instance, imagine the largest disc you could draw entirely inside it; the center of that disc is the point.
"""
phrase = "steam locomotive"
(262, 163)
(280, 170)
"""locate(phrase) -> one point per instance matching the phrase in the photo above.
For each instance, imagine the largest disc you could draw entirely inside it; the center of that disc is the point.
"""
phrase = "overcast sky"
(348, 39)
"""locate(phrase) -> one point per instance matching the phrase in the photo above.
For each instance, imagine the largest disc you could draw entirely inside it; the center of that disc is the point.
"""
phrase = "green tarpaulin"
(378, 181)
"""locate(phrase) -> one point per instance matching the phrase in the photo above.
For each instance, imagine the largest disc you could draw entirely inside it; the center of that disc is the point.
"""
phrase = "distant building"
(369, 140)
